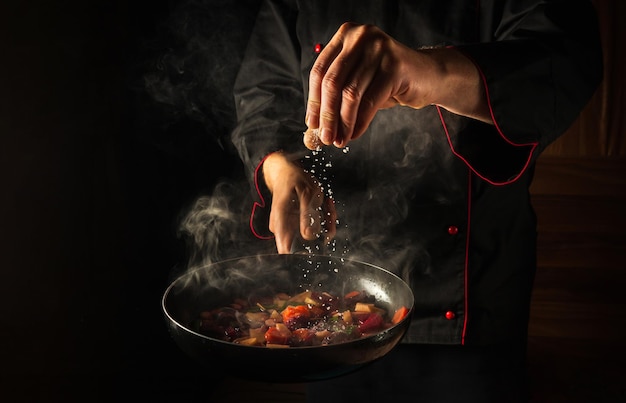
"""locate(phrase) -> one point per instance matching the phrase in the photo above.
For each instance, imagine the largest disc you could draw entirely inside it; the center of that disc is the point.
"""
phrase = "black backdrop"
(114, 117)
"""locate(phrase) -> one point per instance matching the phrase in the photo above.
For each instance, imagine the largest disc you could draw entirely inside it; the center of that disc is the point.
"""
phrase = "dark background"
(113, 119)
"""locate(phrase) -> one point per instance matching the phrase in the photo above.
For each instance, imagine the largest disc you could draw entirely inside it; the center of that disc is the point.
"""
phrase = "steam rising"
(188, 78)
(192, 73)
(193, 79)
(210, 225)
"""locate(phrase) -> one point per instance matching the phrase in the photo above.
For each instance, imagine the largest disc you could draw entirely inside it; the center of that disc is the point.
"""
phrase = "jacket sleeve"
(268, 88)
(540, 62)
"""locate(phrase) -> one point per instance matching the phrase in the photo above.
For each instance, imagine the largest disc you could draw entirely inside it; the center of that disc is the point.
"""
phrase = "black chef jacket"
(439, 199)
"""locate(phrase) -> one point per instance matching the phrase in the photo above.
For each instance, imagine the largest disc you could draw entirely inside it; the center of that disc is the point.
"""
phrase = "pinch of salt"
(311, 139)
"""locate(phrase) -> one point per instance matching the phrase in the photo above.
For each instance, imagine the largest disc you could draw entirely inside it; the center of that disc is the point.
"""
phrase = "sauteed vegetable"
(306, 319)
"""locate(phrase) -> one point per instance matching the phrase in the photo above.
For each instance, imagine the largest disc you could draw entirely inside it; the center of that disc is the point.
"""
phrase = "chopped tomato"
(277, 335)
(399, 314)
(302, 337)
(373, 322)
(307, 319)
(296, 316)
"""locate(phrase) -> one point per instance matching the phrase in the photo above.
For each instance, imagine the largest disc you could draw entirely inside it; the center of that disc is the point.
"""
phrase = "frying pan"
(218, 284)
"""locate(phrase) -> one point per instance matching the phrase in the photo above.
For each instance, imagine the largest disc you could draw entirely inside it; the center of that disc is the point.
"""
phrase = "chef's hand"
(298, 204)
(362, 70)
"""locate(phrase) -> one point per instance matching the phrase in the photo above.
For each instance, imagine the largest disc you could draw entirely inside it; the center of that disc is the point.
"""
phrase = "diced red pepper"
(360, 317)
(295, 317)
(373, 322)
(275, 336)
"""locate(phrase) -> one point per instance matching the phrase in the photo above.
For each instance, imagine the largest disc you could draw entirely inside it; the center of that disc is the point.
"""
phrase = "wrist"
(443, 74)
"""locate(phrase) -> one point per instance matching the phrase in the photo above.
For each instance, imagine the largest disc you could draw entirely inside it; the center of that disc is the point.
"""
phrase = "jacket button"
(450, 315)
(453, 230)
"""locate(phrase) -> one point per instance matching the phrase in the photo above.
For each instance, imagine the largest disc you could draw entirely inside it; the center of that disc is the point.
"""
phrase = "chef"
(422, 124)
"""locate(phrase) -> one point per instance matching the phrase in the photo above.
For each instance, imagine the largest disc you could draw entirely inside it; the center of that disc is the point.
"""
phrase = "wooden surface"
(578, 313)
(599, 130)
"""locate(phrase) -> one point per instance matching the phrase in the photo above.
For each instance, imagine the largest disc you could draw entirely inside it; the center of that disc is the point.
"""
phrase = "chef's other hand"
(298, 203)
(362, 70)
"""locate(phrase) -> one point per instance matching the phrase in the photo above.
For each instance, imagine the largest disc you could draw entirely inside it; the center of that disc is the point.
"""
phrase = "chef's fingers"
(311, 139)
(284, 241)
(311, 199)
(377, 96)
(318, 71)
(352, 96)
(328, 77)
(283, 223)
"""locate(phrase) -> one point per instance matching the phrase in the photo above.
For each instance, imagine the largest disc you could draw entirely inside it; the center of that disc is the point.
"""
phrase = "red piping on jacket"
(466, 265)
(493, 119)
(469, 186)
(260, 204)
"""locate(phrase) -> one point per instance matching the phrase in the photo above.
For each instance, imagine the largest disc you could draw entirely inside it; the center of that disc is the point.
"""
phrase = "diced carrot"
(399, 314)
(352, 294)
